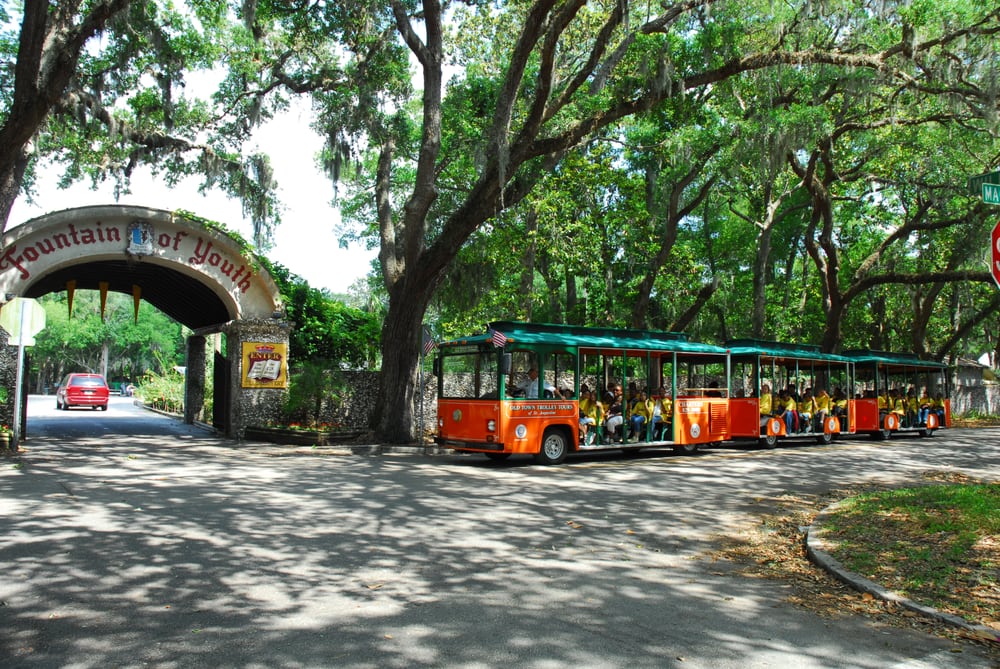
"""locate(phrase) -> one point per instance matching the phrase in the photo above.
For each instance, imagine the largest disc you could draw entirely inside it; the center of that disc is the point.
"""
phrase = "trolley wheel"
(881, 435)
(926, 433)
(686, 449)
(824, 438)
(497, 457)
(768, 441)
(553, 450)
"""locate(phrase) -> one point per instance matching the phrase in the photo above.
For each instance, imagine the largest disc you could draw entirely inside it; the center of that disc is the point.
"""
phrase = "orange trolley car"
(517, 388)
(768, 377)
(899, 392)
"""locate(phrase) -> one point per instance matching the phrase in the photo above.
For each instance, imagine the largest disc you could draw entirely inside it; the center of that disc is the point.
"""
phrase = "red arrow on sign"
(995, 254)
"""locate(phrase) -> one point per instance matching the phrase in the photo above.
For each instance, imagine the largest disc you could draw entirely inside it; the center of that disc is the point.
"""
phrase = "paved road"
(129, 540)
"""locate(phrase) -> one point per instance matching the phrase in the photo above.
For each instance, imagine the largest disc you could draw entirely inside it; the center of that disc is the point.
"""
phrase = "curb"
(816, 549)
(278, 450)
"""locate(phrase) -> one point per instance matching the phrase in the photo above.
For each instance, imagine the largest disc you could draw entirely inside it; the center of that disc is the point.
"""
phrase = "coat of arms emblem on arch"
(140, 238)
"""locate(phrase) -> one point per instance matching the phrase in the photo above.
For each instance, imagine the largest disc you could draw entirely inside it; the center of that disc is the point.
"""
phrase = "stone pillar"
(8, 379)
(194, 379)
(251, 405)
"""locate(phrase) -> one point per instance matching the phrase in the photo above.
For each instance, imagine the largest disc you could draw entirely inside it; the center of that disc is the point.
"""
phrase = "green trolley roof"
(888, 358)
(777, 349)
(574, 336)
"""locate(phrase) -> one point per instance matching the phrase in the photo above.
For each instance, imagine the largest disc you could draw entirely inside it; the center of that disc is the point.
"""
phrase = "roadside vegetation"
(937, 544)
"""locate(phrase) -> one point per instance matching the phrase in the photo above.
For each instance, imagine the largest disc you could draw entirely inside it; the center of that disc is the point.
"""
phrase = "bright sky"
(304, 242)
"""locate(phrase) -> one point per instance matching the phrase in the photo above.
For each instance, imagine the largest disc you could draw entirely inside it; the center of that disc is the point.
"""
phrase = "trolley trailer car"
(529, 388)
(788, 391)
(898, 393)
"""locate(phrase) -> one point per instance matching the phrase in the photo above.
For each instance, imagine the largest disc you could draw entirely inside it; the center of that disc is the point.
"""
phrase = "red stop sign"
(995, 254)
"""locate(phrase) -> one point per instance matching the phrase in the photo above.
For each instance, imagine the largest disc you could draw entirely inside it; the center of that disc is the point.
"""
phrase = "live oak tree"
(101, 88)
(546, 77)
(500, 96)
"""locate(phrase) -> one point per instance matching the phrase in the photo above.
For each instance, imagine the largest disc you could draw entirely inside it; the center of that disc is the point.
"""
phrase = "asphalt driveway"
(143, 542)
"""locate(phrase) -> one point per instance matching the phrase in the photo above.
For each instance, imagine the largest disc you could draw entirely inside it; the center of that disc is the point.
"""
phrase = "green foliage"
(920, 542)
(132, 348)
(325, 329)
(164, 392)
(313, 385)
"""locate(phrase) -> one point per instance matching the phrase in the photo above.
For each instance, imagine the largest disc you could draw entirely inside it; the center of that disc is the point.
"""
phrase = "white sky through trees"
(304, 242)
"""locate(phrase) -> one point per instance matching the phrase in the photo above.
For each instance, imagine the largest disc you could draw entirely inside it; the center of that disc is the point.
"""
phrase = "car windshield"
(87, 381)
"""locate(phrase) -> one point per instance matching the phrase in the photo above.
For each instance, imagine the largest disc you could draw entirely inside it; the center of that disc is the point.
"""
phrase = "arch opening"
(191, 271)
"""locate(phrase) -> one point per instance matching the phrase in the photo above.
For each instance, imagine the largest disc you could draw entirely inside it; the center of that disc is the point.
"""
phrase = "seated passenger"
(663, 409)
(788, 412)
(937, 406)
(591, 414)
(806, 410)
(613, 418)
(839, 408)
(912, 409)
(924, 405)
(884, 404)
(823, 405)
(764, 405)
(530, 386)
(897, 405)
(640, 413)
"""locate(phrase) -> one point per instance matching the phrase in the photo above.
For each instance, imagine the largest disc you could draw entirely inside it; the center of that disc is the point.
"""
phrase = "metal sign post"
(23, 322)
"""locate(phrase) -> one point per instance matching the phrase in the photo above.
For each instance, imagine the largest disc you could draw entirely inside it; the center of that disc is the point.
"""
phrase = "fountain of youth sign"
(137, 235)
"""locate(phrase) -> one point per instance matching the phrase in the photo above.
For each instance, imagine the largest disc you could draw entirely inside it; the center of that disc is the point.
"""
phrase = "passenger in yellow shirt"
(663, 411)
(823, 405)
(912, 408)
(937, 406)
(839, 407)
(640, 414)
(807, 408)
(591, 414)
(925, 405)
(788, 412)
(897, 405)
(765, 405)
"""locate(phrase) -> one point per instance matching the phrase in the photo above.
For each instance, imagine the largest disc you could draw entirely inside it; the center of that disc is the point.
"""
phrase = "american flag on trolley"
(499, 338)
(429, 345)
(428, 339)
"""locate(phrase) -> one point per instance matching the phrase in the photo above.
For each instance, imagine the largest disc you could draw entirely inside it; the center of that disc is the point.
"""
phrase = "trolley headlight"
(491, 425)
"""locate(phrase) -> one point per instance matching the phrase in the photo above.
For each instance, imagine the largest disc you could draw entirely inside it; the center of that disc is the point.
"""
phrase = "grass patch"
(938, 544)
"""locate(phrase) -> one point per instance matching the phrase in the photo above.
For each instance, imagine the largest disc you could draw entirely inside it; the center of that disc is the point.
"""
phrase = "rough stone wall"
(252, 406)
(358, 404)
(979, 397)
(8, 377)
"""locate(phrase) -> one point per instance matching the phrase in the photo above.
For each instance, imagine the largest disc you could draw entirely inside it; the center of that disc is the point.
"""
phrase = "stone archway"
(202, 277)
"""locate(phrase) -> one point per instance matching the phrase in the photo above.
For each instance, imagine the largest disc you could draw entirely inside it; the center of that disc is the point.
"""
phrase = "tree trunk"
(573, 315)
(758, 313)
(105, 355)
(834, 325)
(528, 271)
(552, 285)
(401, 334)
(49, 47)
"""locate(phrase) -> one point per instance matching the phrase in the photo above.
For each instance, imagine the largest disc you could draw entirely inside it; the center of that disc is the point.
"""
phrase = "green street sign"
(976, 183)
(991, 193)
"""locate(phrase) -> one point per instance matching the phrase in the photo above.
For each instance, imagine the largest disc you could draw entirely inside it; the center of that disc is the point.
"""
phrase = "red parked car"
(90, 390)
